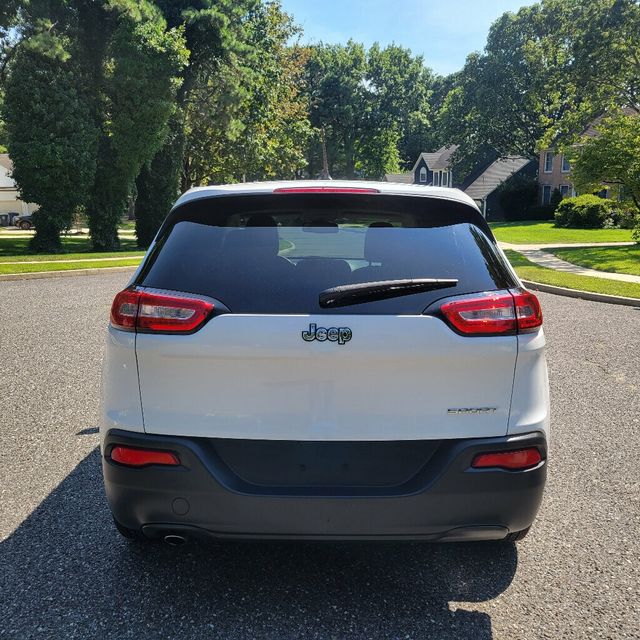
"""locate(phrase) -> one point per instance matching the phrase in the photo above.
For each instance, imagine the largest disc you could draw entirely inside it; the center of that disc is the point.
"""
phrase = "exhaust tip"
(174, 540)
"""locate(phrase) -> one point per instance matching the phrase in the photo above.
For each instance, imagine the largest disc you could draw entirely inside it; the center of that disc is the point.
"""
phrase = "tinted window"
(278, 260)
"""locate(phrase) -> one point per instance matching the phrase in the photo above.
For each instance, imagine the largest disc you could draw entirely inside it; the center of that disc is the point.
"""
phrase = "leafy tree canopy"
(610, 159)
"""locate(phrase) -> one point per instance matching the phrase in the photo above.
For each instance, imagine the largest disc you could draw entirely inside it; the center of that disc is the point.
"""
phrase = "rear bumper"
(443, 500)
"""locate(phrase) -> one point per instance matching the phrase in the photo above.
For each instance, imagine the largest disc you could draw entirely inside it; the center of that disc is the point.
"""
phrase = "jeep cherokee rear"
(325, 360)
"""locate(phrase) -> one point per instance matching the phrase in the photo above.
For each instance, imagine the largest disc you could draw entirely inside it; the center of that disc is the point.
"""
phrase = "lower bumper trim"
(458, 534)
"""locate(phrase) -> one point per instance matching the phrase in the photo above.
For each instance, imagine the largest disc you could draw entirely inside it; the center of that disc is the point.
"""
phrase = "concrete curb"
(67, 273)
(583, 295)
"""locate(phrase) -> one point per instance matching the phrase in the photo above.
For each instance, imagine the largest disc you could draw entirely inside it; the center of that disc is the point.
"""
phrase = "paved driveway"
(65, 573)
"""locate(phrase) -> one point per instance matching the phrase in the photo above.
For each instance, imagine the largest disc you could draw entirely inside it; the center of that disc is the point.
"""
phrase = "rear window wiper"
(348, 294)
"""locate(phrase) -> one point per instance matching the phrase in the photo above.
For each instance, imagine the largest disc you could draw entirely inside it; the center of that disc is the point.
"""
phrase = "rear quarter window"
(276, 254)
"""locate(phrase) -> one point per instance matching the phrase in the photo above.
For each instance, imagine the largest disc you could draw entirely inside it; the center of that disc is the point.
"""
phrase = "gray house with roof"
(482, 184)
(435, 169)
(430, 169)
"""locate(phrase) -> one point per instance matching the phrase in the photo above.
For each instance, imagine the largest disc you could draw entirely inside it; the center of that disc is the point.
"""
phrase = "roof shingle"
(495, 174)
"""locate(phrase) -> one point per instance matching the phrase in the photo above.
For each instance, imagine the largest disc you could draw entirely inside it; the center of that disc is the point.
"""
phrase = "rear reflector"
(132, 457)
(326, 190)
(511, 460)
(494, 313)
(158, 313)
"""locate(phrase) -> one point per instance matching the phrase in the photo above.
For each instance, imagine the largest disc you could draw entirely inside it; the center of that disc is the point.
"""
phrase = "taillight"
(134, 457)
(494, 313)
(327, 189)
(528, 311)
(148, 312)
(511, 460)
(124, 310)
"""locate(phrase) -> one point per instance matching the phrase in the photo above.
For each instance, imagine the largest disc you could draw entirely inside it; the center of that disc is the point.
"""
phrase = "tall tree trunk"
(349, 157)
(325, 175)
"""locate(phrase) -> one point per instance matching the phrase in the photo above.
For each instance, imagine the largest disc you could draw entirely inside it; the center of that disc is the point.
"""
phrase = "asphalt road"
(65, 572)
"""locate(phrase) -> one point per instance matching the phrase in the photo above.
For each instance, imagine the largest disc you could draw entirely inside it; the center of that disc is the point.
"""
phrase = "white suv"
(340, 360)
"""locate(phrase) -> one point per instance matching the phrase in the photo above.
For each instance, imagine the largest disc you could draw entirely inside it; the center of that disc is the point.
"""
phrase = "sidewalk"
(536, 253)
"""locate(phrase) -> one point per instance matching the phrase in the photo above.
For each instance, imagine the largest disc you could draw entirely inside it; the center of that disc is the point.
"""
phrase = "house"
(435, 169)
(10, 201)
(553, 173)
(482, 186)
(554, 169)
(430, 169)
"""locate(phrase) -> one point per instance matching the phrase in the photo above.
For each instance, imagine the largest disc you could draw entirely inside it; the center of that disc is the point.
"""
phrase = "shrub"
(585, 212)
(517, 195)
(556, 199)
(539, 212)
(627, 218)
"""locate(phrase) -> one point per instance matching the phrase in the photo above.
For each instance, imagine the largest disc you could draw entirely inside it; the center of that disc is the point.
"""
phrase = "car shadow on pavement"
(66, 572)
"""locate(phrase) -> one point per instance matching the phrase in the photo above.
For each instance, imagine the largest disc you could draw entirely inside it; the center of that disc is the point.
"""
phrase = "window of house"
(564, 190)
(548, 162)
(546, 194)
(566, 167)
(423, 174)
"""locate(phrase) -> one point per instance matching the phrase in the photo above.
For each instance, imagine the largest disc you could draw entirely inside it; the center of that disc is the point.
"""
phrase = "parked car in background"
(7, 219)
(338, 360)
(24, 222)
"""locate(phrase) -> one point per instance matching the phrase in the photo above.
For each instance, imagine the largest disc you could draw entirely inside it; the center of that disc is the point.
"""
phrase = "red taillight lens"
(326, 190)
(511, 460)
(169, 313)
(500, 312)
(486, 314)
(124, 310)
(153, 312)
(132, 457)
(528, 311)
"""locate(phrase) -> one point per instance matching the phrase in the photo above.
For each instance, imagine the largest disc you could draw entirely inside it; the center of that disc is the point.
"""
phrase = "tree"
(607, 63)
(122, 64)
(517, 195)
(157, 185)
(251, 121)
(371, 107)
(610, 159)
(214, 37)
(533, 86)
(400, 86)
(339, 101)
(53, 141)
(139, 88)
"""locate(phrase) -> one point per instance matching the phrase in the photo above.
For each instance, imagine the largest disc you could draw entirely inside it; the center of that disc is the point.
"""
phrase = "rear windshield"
(276, 254)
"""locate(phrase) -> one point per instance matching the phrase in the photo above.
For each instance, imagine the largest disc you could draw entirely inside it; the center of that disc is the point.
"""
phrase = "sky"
(444, 32)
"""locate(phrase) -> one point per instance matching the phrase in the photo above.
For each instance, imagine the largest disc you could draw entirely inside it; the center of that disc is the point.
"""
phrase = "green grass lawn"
(16, 250)
(615, 259)
(536, 232)
(528, 270)
(66, 266)
(75, 247)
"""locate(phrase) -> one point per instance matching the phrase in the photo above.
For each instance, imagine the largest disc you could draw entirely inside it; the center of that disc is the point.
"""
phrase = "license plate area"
(287, 463)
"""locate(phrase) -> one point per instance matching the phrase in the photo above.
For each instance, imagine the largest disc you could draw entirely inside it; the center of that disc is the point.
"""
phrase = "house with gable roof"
(430, 169)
